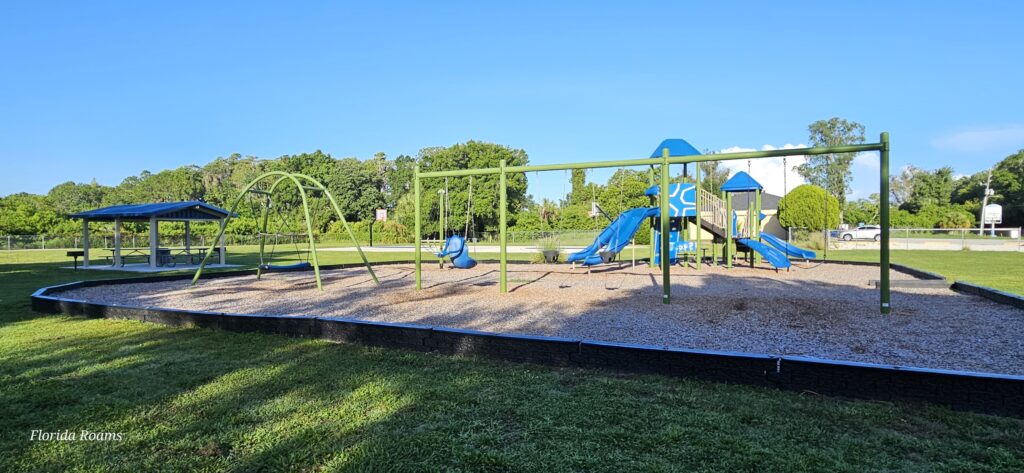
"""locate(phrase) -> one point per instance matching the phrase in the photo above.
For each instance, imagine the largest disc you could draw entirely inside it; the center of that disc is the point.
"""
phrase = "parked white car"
(863, 232)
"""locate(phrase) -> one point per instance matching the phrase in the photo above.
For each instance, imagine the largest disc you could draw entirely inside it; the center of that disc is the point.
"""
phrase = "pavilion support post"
(666, 259)
(154, 241)
(223, 245)
(117, 242)
(188, 240)
(883, 204)
(502, 229)
(416, 228)
(85, 243)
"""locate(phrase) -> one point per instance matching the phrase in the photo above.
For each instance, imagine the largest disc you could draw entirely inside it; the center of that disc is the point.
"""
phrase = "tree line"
(921, 198)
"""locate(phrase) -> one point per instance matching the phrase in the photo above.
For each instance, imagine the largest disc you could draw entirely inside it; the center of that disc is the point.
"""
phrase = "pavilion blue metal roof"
(741, 182)
(189, 210)
(676, 147)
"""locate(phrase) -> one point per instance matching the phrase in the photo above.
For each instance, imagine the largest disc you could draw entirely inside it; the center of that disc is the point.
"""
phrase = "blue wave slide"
(786, 248)
(615, 237)
(773, 256)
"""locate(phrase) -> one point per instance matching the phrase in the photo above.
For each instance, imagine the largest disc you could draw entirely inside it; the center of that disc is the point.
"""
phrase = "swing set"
(307, 189)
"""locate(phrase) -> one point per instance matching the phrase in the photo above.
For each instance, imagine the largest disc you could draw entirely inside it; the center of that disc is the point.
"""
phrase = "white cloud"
(867, 160)
(1002, 138)
(769, 171)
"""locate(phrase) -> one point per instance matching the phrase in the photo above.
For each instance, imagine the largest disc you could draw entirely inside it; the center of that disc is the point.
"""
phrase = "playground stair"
(714, 214)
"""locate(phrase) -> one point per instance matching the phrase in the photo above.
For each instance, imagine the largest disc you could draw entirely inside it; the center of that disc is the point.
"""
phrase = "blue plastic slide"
(773, 256)
(786, 248)
(455, 247)
(615, 237)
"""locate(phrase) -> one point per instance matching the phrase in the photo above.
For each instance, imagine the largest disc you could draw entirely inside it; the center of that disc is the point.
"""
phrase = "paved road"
(898, 243)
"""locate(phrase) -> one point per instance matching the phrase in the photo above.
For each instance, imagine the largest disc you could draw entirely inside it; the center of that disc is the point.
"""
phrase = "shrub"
(809, 206)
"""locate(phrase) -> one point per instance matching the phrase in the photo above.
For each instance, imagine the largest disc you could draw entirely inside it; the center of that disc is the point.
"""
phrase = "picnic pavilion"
(157, 256)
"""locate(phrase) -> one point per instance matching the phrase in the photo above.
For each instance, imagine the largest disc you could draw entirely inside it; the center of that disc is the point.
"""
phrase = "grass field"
(999, 270)
(195, 399)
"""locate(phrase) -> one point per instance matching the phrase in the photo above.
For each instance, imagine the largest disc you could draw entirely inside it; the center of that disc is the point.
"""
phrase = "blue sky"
(105, 90)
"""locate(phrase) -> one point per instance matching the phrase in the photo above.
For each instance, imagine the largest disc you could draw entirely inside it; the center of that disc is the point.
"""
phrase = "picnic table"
(164, 256)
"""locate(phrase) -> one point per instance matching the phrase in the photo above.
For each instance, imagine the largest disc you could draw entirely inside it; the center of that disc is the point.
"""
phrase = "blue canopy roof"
(189, 210)
(741, 182)
(676, 147)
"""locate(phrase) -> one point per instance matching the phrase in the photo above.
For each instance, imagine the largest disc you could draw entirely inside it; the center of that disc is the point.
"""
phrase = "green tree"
(809, 206)
(579, 193)
(484, 208)
(832, 171)
(713, 175)
(862, 210)
(399, 179)
(901, 185)
(931, 188)
(1008, 183)
(71, 197)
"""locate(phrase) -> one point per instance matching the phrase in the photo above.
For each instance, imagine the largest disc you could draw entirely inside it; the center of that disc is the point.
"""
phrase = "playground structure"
(706, 210)
(715, 217)
(305, 186)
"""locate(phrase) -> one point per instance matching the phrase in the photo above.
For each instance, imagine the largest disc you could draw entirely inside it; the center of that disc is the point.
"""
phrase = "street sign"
(382, 215)
(992, 214)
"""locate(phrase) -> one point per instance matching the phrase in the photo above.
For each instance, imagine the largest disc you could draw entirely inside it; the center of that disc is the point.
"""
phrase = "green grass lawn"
(196, 399)
(995, 269)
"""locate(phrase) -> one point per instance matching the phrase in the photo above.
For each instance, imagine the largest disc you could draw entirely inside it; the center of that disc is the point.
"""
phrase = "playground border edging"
(958, 390)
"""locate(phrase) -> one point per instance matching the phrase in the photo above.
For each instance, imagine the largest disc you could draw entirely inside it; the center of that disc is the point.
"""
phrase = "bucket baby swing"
(455, 247)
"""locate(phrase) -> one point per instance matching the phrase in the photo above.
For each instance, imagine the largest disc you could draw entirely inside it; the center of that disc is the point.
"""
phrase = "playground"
(822, 310)
(726, 283)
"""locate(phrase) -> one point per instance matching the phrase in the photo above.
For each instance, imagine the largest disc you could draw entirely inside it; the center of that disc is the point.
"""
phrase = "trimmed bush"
(809, 206)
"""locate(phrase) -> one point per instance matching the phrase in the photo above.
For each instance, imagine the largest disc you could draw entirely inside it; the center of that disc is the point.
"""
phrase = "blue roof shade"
(741, 182)
(189, 210)
(676, 147)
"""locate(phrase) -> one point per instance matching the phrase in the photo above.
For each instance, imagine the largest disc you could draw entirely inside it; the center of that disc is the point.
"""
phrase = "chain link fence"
(139, 240)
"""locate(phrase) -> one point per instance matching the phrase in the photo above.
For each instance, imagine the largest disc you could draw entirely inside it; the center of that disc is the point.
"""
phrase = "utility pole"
(984, 202)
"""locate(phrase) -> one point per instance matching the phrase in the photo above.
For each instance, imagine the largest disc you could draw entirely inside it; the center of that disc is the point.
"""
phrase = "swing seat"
(286, 267)
(455, 248)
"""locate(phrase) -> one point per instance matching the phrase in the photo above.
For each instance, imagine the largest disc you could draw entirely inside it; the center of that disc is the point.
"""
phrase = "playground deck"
(826, 310)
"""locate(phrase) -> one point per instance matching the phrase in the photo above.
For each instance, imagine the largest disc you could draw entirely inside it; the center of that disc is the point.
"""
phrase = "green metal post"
(416, 227)
(650, 182)
(666, 261)
(309, 234)
(728, 229)
(263, 235)
(750, 230)
(696, 211)
(502, 234)
(756, 235)
(883, 202)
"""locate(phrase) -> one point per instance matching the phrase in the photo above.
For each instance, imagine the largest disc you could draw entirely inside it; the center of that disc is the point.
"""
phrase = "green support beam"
(883, 203)
(502, 229)
(756, 229)
(651, 243)
(647, 161)
(728, 229)
(416, 228)
(666, 260)
(696, 212)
